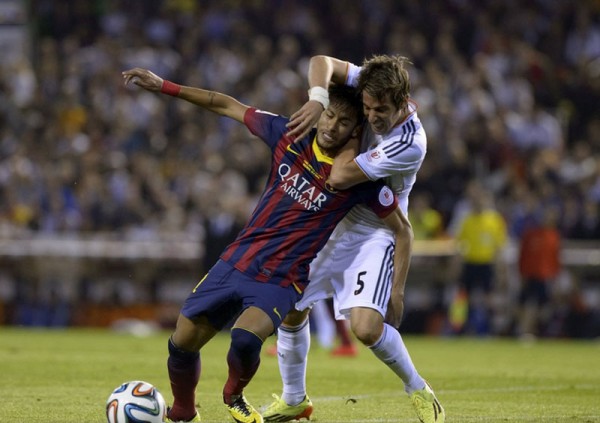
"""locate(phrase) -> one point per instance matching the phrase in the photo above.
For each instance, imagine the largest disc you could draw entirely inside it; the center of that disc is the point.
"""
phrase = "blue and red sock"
(184, 374)
(243, 359)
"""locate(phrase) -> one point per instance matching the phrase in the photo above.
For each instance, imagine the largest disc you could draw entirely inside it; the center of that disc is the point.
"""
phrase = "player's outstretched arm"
(321, 71)
(403, 235)
(216, 102)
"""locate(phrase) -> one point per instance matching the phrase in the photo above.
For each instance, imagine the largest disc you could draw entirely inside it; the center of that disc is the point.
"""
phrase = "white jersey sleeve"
(400, 152)
(395, 157)
(352, 76)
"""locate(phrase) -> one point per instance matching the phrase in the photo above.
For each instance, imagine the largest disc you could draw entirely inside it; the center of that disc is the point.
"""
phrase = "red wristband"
(170, 88)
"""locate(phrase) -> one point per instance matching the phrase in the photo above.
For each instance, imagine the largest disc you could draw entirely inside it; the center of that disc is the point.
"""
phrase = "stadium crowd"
(508, 92)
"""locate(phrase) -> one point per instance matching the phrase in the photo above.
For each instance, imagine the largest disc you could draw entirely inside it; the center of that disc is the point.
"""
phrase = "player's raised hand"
(304, 119)
(143, 78)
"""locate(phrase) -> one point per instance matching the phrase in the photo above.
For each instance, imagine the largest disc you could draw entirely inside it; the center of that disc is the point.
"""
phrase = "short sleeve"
(267, 126)
(352, 75)
(382, 162)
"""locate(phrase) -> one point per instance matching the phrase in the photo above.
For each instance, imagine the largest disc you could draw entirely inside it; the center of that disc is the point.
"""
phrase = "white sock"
(293, 344)
(391, 350)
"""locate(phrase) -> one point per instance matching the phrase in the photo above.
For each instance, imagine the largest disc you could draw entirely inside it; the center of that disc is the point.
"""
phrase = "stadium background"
(114, 201)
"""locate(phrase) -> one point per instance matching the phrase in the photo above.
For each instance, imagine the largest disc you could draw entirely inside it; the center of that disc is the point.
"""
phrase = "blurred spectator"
(583, 40)
(532, 127)
(539, 266)
(588, 225)
(222, 226)
(482, 235)
(426, 222)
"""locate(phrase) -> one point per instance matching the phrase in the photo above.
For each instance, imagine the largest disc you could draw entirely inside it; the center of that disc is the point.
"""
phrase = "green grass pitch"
(67, 375)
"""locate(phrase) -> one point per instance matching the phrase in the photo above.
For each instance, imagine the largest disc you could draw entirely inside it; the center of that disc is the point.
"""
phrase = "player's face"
(334, 129)
(382, 115)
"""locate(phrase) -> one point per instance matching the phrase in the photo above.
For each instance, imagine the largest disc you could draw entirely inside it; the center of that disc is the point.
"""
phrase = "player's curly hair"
(347, 98)
(383, 75)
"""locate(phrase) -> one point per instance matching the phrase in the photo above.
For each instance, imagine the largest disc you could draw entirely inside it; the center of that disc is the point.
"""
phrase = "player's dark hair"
(347, 98)
(383, 76)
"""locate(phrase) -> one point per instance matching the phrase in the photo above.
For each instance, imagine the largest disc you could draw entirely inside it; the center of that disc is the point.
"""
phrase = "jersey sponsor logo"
(291, 150)
(305, 164)
(386, 196)
(276, 312)
(300, 189)
(311, 169)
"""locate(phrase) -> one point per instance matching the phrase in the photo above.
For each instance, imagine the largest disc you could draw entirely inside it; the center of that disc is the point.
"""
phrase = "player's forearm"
(404, 236)
(320, 71)
(213, 101)
(210, 100)
(345, 173)
(325, 69)
(402, 256)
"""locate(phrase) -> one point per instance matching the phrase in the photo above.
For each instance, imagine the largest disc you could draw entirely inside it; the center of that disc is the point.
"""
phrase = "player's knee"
(245, 342)
(366, 334)
(189, 336)
(366, 324)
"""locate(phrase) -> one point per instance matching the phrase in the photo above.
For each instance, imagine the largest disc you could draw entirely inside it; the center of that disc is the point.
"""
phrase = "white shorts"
(355, 268)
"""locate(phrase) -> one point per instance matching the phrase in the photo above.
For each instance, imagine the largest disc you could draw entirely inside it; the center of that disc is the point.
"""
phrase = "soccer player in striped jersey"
(264, 272)
(355, 266)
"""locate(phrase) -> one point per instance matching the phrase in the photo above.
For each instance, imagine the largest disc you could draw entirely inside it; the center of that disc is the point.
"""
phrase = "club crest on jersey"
(386, 196)
(373, 155)
(300, 189)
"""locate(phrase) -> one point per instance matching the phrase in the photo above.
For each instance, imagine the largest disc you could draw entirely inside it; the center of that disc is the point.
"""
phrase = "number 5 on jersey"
(360, 283)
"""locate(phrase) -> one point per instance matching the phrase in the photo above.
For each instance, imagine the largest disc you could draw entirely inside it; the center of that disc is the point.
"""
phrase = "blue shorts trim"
(225, 292)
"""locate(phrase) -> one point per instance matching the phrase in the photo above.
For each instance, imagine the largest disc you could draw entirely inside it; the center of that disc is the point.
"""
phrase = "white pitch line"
(458, 418)
(520, 419)
(468, 390)
(455, 418)
(580, 386)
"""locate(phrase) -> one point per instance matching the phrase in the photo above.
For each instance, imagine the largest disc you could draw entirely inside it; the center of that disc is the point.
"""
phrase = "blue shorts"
(225, 292)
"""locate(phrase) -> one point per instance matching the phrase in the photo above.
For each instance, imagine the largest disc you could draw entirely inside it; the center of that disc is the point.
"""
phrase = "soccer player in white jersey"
(355, 267)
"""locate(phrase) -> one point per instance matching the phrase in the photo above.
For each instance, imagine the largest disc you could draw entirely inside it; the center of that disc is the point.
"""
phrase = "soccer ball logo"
(135, 402)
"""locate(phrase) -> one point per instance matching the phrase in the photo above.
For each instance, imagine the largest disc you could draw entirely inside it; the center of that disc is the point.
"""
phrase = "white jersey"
(355, 267)
(396, 157)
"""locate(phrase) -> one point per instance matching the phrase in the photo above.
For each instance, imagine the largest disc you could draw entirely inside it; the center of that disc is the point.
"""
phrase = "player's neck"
(324, 154)
(328, 152)
(404, 114)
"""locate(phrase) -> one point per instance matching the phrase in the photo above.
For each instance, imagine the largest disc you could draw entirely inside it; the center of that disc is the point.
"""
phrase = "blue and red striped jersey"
(297, 211)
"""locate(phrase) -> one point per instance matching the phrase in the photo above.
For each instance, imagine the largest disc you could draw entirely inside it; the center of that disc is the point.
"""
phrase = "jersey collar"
(320, 156)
